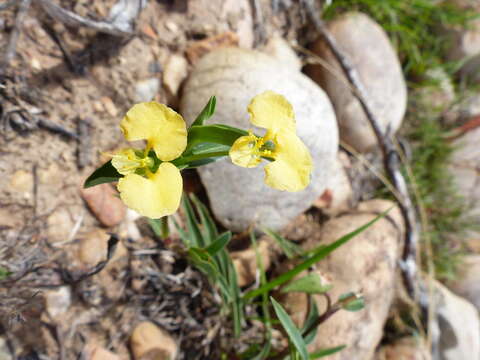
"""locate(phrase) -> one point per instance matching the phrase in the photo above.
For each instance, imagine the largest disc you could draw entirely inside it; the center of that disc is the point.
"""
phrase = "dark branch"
(14, 35)
(391, 157)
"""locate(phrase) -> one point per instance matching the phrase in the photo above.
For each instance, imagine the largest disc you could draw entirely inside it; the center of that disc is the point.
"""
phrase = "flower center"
(129, 161)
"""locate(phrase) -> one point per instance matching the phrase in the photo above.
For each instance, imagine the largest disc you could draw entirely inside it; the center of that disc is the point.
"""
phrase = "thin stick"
(258, 26)
(15, 34)
(71, 19)
(390, 155)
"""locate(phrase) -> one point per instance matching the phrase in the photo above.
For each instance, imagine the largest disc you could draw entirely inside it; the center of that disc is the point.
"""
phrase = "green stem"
(189, 159)
(164, 227)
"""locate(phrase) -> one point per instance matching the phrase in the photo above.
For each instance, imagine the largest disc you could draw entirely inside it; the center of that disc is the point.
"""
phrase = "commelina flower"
(152, 194)
(291, 163)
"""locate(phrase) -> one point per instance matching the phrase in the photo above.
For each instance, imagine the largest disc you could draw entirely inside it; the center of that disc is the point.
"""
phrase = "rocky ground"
(61, 99)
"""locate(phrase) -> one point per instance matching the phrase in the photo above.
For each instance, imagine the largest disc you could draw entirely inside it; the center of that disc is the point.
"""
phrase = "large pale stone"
(238, 196)
(459, 326)
(280, 49)
(366, 264)
(464, 42)
(369, 50)
(467, 282)
(465, 162)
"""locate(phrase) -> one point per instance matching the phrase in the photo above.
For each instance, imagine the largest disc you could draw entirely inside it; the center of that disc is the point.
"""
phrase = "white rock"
(465, 42)
(338, 195)
(368, 48)
(146, 90)
(176, 70)
(464, 165)
(58, 301)
(280, 49)
(467, 282)
(438, 94)
(366, 264)
(238, 196)
(459, 326)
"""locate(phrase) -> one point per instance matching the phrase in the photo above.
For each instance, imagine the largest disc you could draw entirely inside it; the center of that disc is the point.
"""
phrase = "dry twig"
(131, 8)
(390, 156)
(15, 34)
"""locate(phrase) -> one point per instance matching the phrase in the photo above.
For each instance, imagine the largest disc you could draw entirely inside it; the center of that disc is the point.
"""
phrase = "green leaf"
(291, 330)
(311, 319)
(160, 227)
(183, 234)
(202, 260)
(237, 305)
(207, 112)
(310, 284)
(326, 352)
(265, 303)
(289, 248)
(104, 174)
(265, 351)
(197, 163)
(219, 244)
(351, 301)
(196, 238)
(4, 273)
(317, 255)
(206, 148)
(214, 134)
(156, 226)
(210, 230)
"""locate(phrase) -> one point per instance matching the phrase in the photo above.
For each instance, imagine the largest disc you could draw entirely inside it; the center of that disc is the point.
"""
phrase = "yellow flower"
(292, 164)
(156, 195)
(152, 194)
(163, 128)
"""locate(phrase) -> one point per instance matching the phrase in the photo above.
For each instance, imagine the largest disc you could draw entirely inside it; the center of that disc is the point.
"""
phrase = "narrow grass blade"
(237, 303)
(210, 230)
(206, 112)
(183, 234)
(316, 257)
(192, 224)
(288, 247)
(310, 284)
(326, 352)
(265, 303)
(311, 319)
(219, 244)
(291, 330)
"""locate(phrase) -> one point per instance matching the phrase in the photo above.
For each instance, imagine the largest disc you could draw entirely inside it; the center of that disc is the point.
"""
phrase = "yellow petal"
(157, 196)
(272, 111)
(292, 166)
(243, 152)
(163, 128)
